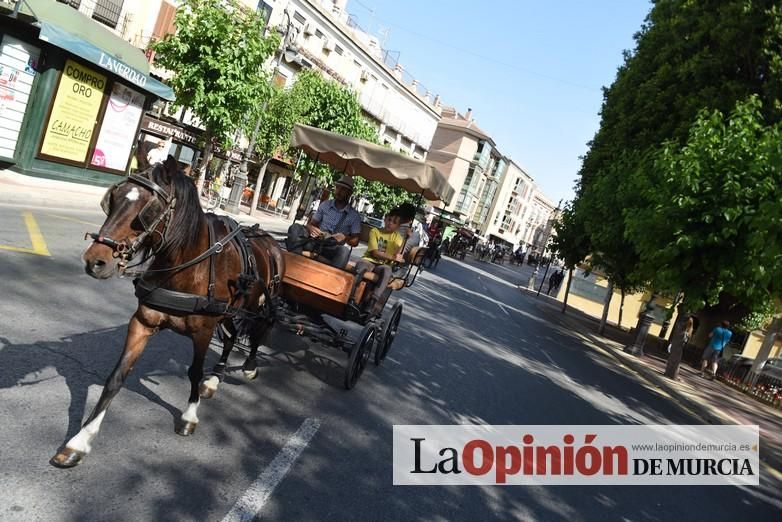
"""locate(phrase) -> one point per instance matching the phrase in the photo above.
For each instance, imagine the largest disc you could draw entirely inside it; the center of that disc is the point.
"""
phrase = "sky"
(531, 70)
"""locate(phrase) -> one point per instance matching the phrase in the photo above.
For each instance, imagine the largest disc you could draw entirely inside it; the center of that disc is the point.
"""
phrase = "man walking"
(718, 339)
(334, 217)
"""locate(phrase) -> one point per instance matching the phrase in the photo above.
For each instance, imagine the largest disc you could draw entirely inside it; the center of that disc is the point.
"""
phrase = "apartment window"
(358, 65)
(299, 17)
(107, 12)
(265, 10)
(279, 80)
(318, 33)
(338, 50)
(73, 3)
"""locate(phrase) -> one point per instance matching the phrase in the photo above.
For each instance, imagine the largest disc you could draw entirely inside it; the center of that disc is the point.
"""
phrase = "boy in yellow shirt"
(384, 247)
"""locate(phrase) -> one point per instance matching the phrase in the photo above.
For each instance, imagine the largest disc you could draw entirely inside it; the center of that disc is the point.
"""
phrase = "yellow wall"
(754, 342)
(632, 305)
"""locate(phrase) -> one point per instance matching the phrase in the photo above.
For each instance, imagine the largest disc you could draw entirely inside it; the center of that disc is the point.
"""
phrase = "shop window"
(265, 10)
(107, 12)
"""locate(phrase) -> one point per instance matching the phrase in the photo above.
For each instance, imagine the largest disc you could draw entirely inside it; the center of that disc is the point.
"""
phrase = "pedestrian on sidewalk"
(688, 328)
(718, 339)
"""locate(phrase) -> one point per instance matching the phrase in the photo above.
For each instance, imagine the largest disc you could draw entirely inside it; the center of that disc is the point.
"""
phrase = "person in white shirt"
(158, 154)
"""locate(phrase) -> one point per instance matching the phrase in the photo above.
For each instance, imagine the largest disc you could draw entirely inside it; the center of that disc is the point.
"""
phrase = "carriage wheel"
(389, 332)
(359, 356)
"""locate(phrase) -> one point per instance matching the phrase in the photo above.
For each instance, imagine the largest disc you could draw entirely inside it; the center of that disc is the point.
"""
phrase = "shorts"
(711, 355)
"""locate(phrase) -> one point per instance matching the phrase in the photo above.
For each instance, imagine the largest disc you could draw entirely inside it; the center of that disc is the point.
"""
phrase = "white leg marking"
(190, 413)
(212, 382)
(256, 496)
(82, 441)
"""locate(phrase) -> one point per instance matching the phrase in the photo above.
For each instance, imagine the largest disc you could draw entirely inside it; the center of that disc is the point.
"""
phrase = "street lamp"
(545, 246)
(290, 52)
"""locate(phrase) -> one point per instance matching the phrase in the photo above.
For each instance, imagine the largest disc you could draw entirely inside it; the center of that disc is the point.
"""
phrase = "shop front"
(183, 142)
(72, 95)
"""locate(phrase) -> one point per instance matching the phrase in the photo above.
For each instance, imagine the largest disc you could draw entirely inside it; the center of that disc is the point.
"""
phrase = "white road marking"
(503, 309)
(259, 492)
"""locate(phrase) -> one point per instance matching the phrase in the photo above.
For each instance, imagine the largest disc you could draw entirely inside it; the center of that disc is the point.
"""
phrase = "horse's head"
(138, 212)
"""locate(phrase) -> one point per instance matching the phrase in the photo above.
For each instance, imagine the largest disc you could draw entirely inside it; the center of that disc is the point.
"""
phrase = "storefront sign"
(122, 69)
(74, 113)
(162, 128)
(118, 130)
(18, 61)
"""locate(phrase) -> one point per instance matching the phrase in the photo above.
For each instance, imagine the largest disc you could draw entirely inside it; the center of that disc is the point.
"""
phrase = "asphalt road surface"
(293, 444)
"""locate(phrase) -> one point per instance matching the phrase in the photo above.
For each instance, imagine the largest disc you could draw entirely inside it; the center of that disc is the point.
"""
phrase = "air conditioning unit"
(309, 29)
(364, 75)
(328, 45)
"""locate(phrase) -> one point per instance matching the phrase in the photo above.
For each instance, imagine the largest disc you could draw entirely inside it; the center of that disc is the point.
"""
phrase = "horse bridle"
(160, 208)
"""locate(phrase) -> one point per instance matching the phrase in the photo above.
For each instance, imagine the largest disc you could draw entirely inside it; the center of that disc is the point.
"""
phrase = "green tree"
(216, 56)
(710, 223)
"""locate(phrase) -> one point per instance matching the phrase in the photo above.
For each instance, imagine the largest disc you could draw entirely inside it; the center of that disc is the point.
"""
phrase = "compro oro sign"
(576, 455)
(74, 113)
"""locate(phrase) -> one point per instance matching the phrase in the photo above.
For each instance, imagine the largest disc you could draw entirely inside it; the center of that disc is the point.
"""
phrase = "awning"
(68, 29)
(372, 162)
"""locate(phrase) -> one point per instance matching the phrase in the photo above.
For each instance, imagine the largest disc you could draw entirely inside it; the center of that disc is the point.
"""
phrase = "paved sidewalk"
(19, 189)
(711, 401)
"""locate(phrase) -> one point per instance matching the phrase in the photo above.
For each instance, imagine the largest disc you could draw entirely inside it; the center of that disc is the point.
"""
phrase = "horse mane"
(186, 221)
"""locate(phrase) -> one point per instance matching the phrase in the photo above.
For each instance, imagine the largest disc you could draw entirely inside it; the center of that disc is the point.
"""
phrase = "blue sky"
(531, 70)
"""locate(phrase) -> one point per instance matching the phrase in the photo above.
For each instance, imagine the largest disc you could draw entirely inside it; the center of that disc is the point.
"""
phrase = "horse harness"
(159, 209)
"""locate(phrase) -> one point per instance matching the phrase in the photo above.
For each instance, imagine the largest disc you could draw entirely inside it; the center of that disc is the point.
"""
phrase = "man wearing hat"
(335, 218)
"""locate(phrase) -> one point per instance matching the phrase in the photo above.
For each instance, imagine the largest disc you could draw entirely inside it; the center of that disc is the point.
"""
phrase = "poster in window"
(118, 130)
(75, 109)
(18, 62)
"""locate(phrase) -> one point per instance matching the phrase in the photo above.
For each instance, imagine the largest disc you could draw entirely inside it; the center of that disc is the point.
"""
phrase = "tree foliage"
(326, 104)
(217, 55)
(710, 223)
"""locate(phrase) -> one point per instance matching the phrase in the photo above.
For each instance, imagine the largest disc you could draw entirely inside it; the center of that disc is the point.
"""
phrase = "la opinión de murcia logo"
(629, 455)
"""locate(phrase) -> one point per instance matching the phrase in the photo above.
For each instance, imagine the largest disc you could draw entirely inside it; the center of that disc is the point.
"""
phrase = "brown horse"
(202, 272)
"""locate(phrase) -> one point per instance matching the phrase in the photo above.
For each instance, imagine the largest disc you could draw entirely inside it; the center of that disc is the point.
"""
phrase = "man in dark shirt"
(335, 218)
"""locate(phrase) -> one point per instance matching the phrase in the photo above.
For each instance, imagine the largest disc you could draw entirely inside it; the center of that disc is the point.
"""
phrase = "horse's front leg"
(189, 420)
(80, 445)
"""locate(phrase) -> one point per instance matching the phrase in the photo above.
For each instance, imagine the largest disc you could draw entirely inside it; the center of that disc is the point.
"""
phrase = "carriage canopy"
(372, 162)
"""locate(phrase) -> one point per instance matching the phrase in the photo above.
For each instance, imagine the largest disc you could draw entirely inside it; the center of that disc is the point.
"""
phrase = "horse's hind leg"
(189, 419)
(259, 335)
(209, 386)
(81, 443)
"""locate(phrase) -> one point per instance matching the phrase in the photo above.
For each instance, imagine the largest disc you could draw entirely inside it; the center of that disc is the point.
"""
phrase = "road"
(472, 349)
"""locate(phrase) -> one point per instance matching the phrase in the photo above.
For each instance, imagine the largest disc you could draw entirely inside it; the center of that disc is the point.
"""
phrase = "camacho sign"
(74, 112)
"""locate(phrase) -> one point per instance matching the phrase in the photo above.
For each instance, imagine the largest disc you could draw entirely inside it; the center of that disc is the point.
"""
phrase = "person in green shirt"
(384, 247)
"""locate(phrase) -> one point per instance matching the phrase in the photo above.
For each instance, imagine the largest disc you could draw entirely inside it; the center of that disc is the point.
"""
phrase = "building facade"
(328, 40)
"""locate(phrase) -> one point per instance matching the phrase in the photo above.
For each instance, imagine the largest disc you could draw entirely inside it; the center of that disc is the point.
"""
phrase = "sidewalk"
(710, 401)
(19, 189)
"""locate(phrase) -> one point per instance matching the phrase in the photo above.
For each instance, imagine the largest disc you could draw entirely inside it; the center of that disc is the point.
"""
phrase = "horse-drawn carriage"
(197, 273)
(312, 289)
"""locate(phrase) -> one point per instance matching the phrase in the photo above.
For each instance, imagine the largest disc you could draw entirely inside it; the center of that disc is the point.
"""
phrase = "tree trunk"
(606, 304)
(621, 306)
(257, 193)
(677, 344)
(567, 289)
(765, 349)
(205, 163)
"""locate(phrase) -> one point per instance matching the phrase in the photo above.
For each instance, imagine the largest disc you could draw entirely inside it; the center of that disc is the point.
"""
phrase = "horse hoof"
(67, 458)
(205, 392)
(186, 428)
(250, 374)
(208, 388)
